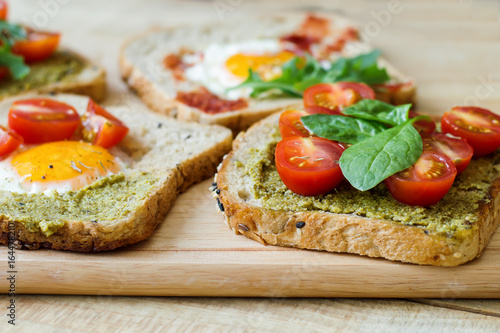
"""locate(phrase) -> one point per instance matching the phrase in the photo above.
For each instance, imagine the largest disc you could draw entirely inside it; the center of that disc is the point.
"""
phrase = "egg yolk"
(71, 164)
(266, 65)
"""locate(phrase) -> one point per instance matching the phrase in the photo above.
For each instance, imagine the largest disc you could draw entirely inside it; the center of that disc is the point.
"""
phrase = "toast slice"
(64, 72)
(256, 203)
(164, 158)
(142, 66)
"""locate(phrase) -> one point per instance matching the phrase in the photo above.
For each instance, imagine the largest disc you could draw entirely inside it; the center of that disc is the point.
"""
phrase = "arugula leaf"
(370, 109)
(342, 128)
(369, 162)
(298, 74)
(11, 32)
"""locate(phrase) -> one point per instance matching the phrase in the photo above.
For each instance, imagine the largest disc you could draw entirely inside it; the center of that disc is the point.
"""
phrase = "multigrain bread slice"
(164, 158)
(64, 72)
(256, 203)
(142, 65)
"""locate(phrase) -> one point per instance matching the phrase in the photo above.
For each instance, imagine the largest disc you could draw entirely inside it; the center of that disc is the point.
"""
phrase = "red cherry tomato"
(9, 141)
(458, 150)
(336, 96)
(320, 109)
(309, 166)
(424, 183)
(480, 127)
(38, 46)
(102, 128)
(291, 125)
(422, 125)
(4, 9)
(40, 120)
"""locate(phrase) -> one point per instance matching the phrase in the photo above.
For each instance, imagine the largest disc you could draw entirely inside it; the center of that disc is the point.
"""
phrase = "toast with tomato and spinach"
(373, 179)
(236, 73)
(31, 62)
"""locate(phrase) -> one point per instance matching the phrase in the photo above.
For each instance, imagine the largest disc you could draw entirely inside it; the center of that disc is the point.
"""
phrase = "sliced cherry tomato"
(291, 125)
(480, 127)
(425, 182)
(320, 109)
(40, 120)
(4, 72)
(309, 166)
(457, 149)
(336, 96)
(101, 128)
(423, 126)
(4, 9)
(38, 46)
(9, 141)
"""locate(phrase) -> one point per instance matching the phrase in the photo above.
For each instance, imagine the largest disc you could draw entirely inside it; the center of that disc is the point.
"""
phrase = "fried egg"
(223, 66)
(60, 166)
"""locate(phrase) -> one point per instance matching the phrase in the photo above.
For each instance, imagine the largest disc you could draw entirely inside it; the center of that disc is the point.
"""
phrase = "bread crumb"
(442, 257)
(457, 255)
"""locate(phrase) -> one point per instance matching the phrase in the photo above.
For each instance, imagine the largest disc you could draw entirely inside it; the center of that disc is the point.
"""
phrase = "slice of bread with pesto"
(63, 72)
(153, 65)
(257, 204)
(163, 156)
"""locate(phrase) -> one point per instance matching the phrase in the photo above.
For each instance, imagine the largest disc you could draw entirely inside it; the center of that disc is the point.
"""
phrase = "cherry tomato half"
(425, 182)
(101, 128)
(38, 46)
(309, 166)
(320, 109)
(336, 96)
(457, 149)
(423, 126)
(9, 141)
(4, 9)
(40, 120)
(291, 125)
(480, 127)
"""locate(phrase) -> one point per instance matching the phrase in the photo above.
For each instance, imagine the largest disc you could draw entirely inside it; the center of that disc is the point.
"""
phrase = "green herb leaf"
(297, 76)
(369, 162)
(342, 128)
(370, 109)
(17, 68)
(11, 32)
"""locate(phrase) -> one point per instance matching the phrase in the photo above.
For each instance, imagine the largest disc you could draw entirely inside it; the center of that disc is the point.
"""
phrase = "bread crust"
(345, 233)
(199, 163)
(148, 86)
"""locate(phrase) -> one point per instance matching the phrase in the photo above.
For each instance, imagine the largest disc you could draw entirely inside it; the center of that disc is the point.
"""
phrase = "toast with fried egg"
(159, 158)
(256, 204)
(163, 65)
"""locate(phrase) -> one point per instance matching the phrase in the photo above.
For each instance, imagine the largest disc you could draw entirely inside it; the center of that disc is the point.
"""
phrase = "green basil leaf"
(17, 68)
(342, 128)
(11, 32)
(369, 162)
(374, 110)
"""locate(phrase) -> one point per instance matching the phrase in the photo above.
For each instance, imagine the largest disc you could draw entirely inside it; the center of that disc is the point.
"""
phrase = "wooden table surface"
(452, 49)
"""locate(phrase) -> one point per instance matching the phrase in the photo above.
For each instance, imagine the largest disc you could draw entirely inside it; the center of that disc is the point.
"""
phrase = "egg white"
(209, 68)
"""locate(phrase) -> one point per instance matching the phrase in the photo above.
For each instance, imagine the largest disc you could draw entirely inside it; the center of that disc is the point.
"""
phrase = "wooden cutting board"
(193, 253)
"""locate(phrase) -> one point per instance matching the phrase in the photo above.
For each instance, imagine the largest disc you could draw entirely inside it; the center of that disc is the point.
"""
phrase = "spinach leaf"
(342, 128)
(298, 74)
(369, 162)
(370, 109)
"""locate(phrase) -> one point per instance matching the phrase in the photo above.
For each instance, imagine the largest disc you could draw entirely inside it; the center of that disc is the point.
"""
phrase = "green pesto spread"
(450, 217)
(61, 66)
(108, 199)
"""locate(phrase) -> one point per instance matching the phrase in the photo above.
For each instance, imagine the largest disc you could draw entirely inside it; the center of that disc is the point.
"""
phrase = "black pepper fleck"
(52, 93)
(214, 184)
(43, 177)
(94, 221)
(51, 166)
(221, 206)
(20, 203)
(160, 125)
(426, 232)
(217, 191)
(300, 224)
